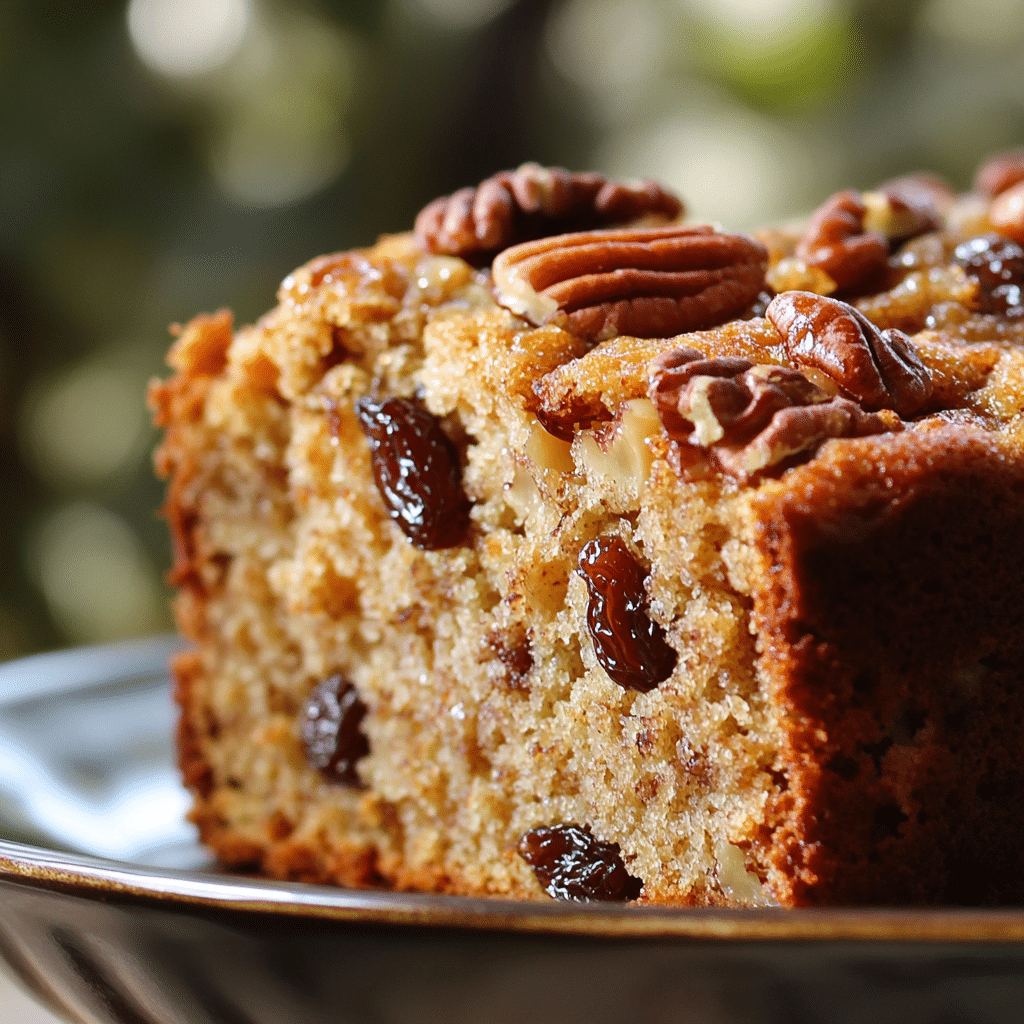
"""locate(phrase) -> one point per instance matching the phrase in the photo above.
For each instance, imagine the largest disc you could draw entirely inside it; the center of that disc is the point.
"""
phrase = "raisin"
(571, 864)
(997, 264)
(331, 735)
(630, 646)
(417, 471)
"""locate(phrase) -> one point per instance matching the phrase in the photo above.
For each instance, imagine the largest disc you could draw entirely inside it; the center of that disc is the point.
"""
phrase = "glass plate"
(111, 911)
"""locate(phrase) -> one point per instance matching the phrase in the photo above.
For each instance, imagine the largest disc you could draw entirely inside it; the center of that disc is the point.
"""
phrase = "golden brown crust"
(198, 355)
(882, 593)
(186, 671)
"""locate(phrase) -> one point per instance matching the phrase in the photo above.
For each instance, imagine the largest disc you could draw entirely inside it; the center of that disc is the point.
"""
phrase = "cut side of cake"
(560, 547)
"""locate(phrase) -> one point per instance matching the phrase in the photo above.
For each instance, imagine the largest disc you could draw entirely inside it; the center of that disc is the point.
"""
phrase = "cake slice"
(563, 548)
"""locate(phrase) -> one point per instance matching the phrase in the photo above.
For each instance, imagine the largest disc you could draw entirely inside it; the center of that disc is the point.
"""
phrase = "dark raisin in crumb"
(630, 646)
(331, 735)
(571, 864)
(997, 264)
(417, 471)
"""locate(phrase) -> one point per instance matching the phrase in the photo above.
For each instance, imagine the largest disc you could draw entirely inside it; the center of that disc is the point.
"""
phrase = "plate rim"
(35, 868)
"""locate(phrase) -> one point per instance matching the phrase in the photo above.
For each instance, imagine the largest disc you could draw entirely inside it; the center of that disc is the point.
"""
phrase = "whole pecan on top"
(533, 202)
(881, 369)
(750, 418)
(903, 208)
(836, 242)
(1006, 214)
(999, 172)
(643, 282)
(920, 188)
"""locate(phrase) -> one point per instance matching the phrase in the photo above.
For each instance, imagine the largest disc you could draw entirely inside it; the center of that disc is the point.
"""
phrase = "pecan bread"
(561, 547)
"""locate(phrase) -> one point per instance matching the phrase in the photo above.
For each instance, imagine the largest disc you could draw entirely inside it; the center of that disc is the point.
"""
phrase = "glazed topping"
(750, 418)
(997, 264)
(571, 864)
(331, 735)
(837, 244)
(533, 202)
(629, 645)
(881, 369)
(643, 282)
(417, 471)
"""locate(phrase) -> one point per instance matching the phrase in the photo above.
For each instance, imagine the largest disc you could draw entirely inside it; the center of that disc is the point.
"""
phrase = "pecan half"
(725, 398)
(804, 429)
(999, 172)
(595, 386)
(881, 369)
(643, 282)
(837, 243)
(533, 202)
(1006, 214)
(921, 188)
(902, 209)
(750, 417)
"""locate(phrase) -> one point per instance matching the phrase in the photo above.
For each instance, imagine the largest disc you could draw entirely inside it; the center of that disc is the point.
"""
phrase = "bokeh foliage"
(132, 197)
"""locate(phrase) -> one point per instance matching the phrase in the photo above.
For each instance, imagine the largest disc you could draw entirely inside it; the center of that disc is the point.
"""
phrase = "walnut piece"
(534, 202)
(617, 452)
(881, 369)
(751, 418)
(837, 243)
(644, 282)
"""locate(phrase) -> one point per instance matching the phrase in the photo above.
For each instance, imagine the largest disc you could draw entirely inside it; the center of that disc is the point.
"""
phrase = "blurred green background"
(159, 158)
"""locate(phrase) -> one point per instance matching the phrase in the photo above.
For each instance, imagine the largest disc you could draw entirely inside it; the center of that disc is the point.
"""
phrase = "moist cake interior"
(842, 718)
